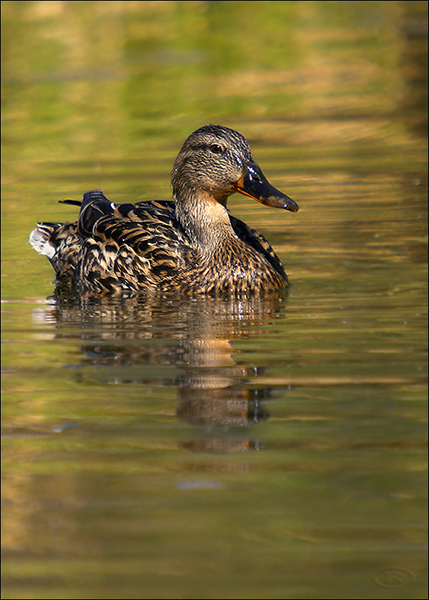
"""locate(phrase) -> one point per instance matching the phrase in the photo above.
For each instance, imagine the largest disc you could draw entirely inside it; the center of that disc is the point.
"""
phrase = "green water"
(215, 449)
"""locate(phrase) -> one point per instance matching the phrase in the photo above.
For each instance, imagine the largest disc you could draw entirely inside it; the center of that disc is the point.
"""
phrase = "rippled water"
(267, 448)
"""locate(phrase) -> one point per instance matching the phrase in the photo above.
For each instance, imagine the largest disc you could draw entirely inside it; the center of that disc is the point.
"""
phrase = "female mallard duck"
(191, 245)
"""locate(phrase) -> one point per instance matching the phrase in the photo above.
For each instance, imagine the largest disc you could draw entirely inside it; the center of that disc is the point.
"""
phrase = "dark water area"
(269, 447)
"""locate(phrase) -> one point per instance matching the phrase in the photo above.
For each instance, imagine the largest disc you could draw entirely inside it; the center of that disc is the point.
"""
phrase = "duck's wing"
(256, 240)
(140, 226)
(114, 248)
(129, 247)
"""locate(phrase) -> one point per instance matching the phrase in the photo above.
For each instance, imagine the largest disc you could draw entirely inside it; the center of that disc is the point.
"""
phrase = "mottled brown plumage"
(188, 245)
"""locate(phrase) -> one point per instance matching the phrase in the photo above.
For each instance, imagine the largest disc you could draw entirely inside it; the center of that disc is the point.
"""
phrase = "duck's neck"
(205, 220)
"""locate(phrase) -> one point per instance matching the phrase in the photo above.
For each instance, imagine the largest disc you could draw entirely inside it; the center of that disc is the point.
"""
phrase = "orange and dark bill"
(254, 184)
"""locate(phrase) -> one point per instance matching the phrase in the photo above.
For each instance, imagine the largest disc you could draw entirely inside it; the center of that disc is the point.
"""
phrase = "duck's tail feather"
(46, 237)
(73, 202)
(41, 239)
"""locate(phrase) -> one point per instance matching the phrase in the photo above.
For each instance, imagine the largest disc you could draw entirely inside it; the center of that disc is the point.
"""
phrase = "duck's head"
(214, 162)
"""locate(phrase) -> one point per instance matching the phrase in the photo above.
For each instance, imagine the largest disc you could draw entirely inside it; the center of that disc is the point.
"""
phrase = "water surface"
(263, 448)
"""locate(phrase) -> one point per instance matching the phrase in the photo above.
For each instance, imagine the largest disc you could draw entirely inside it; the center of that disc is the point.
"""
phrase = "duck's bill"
(255, 185)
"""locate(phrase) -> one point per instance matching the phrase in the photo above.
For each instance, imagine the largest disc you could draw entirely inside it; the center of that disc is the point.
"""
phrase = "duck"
(190, 244)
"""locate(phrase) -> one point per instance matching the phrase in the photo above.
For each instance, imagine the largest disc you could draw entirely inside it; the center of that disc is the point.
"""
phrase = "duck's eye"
(216, 149)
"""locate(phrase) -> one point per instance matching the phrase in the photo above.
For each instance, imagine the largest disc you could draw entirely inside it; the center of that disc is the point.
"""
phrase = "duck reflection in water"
(187, 345)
